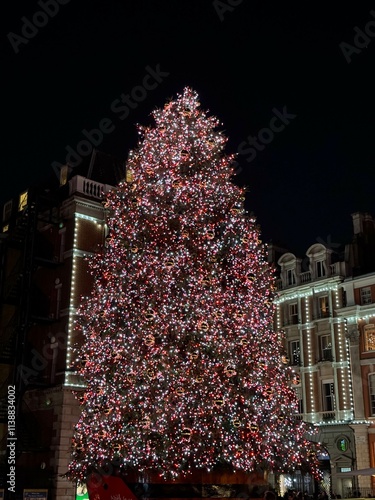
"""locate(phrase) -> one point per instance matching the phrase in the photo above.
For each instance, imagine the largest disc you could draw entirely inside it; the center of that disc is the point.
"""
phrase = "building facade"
(325, 310)
(46, 235)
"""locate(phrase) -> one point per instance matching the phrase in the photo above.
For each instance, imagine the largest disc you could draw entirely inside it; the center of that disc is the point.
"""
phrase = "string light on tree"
(181, 364)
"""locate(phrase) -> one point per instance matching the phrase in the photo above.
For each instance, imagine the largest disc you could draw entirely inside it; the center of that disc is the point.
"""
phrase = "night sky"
(250, 61)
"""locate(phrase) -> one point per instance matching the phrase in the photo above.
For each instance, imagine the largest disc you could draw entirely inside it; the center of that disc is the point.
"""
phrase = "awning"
(359, 472)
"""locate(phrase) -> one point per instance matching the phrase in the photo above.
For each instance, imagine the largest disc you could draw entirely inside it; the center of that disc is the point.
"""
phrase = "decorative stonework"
(353, 334)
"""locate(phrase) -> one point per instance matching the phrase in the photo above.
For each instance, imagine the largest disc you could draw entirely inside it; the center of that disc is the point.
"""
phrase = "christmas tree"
(180, 360)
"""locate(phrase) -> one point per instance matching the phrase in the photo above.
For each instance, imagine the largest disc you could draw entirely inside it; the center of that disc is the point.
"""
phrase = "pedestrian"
(269, 495)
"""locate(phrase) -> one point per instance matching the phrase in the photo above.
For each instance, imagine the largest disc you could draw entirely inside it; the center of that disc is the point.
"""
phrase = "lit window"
(366, 295)
(22, 202)
(342, 444)
(323, 307)
(129, 176)
(64, 175)
(369, 334)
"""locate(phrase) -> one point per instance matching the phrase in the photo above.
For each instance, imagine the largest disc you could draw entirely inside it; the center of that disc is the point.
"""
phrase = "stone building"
(46, 233)
(325, 307)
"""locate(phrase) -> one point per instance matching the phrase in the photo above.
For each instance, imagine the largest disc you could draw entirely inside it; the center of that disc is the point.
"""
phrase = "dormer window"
(320, 260)
(290, 269)
(320, 269)
(290, 277)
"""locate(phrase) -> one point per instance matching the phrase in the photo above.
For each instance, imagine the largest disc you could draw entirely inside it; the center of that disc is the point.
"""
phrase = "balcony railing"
(295, 360)
(359, 492)
(326, 355)
(305, 277)
(324, 416)
(88, 187)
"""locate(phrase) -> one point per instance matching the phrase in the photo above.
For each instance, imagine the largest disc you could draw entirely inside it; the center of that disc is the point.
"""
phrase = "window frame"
(320, 269)
(324, 311)
(329, 400)
(369, 329)
(295, 359)
(371, 390)
(325, 347)
(365, 299)
(293, 313)
(290, 277)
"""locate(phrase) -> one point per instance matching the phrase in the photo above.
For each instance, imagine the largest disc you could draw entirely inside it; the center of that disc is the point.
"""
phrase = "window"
(342, 444)
(320, 269)
(290, 277)
(371, 385)
(294, 352)
(323, 307)
(129, 176)
(293, 313)
(22, 202)
(299, 399)
(328, 396)
(325, 348)
(64, 171)
(366, 295)
(58, 286)
(7, 210)
(62, 233)
(369, 332)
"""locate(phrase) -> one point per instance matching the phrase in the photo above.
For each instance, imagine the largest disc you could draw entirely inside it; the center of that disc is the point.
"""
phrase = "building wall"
(60, 278)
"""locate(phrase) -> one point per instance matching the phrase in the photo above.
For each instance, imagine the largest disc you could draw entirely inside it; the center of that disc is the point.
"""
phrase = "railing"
(359, 492)
(279, 284)
(91, 188)
(293, 320)
(305, 277)
(328, 415)
(327, 354)
(298, 416)
(295, 360)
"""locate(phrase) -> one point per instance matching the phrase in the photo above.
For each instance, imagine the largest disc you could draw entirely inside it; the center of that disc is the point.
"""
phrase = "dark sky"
(245, 61)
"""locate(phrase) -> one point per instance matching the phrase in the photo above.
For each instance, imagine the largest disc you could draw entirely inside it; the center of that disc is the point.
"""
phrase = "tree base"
(220, 483)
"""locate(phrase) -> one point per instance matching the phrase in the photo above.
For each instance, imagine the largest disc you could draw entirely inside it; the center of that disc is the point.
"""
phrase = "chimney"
(368, 223)
(357, 222)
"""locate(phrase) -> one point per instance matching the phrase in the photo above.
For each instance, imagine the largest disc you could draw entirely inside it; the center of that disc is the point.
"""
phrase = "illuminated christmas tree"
(182, 366)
